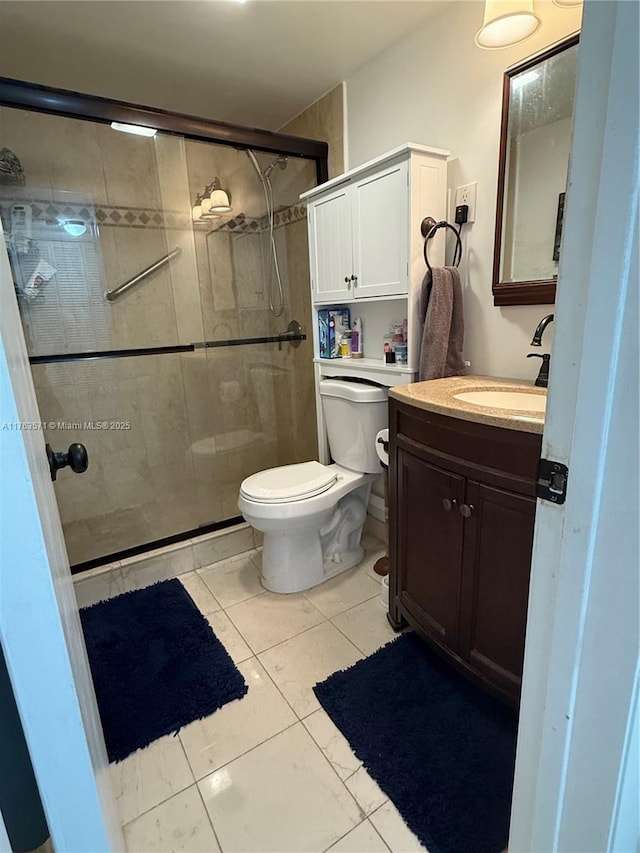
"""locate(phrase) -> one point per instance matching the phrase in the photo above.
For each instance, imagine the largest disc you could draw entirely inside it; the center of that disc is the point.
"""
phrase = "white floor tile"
(179, 824)
(229, 636)
(371, 557)
(394, 831)
(270, 618)
(365, 791)
(282, 796)
(366, 626)
(343, 591)
(297, 665)
(232, 581)
(333, 743)
(150, 776)
(362, 839)
(202, 596)
(238, 726)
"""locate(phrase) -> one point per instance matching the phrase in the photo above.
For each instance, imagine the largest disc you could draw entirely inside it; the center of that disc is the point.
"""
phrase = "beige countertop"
(438, 395)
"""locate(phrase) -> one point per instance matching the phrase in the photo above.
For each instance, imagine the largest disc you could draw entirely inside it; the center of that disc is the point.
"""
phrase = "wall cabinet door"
(498, 542)
(380, 205)
(429, 536)
(331, 246)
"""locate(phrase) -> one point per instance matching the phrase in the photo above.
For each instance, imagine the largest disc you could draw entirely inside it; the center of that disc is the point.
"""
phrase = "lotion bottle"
(356, 338)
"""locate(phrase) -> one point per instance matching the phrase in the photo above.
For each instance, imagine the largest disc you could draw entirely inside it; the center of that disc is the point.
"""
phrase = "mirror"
(535, 140)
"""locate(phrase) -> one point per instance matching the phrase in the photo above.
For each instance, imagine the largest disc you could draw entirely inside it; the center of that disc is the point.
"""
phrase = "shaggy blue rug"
(440, 748)
(156, 665)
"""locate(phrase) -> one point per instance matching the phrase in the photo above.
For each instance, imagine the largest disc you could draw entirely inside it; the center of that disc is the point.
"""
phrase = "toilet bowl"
(312, 514)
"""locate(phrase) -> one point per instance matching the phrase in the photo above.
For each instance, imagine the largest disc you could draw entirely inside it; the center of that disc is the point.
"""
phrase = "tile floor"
(269, 772)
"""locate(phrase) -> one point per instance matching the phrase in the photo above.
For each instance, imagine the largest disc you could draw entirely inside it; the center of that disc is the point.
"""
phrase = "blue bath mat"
(156, 665)
(440, 748)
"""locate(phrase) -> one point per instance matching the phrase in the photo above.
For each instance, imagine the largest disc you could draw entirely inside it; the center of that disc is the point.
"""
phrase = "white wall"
(438, 88)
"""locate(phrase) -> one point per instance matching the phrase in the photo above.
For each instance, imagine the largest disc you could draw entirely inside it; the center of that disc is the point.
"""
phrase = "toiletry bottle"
(356, 338)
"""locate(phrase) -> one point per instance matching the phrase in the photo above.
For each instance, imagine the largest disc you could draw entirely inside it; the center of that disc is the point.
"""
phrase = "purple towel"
(443, 333)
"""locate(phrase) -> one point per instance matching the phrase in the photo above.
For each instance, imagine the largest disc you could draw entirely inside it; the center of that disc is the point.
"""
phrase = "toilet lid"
(288, 483)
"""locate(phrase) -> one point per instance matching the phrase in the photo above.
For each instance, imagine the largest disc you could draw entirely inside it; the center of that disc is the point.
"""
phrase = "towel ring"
(428, 228)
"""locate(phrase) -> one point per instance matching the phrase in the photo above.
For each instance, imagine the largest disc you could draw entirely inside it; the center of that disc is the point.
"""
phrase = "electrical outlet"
(467, 195)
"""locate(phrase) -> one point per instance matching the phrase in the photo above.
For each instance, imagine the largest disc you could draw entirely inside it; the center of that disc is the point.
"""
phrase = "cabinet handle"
(449, 504)
(466, 510)
(354, 279)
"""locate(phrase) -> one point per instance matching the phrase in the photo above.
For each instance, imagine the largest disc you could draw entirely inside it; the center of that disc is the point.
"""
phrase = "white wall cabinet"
(359, 237)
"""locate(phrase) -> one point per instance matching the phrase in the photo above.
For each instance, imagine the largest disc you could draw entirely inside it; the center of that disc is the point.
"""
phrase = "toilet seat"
(289, 483)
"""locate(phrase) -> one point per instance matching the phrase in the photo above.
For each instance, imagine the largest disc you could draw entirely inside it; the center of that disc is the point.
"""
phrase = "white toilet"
(312, 514)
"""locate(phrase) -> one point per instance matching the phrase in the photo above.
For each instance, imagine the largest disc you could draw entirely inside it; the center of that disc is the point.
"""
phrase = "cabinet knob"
(347, 279)
(449, 504)
(354, 279)
(466, 510)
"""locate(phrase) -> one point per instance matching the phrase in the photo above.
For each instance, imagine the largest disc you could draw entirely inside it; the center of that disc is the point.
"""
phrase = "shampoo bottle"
(356, 338)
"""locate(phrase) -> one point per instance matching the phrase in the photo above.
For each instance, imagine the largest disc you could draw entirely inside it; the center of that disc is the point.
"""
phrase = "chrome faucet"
(536, 341)
(542, 379)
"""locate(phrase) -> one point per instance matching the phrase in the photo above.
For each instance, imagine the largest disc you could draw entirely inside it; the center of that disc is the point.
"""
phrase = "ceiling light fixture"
(521, 80)
(507, 22)
(137, 129)
(74, 227)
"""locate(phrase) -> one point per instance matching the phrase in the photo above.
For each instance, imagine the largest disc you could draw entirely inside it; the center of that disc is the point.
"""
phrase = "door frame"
(40, 630)
(575, 783)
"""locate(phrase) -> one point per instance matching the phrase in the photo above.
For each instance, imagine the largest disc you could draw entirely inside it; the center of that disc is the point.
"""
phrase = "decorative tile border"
(137, 217)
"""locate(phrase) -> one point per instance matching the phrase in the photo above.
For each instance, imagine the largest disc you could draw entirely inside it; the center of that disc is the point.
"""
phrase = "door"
(40, 629)
(576, 782)
(429, 537)
(498, 539)
(331, 247)
(380, 232)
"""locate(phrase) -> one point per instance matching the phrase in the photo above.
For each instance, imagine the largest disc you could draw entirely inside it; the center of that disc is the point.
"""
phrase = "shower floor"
(221, 784)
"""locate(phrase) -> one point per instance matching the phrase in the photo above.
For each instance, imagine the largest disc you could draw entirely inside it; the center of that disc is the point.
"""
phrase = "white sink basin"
(520, 401)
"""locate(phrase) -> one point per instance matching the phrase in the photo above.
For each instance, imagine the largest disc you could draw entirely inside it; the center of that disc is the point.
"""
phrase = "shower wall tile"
(161, 564)
(213, 547)
(324, 120)
(59, 153)
(130, 169)
(98, 585)
(218, 274)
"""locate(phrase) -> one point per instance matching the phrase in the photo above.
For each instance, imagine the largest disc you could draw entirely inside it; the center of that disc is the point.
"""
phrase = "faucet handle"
(542, 380)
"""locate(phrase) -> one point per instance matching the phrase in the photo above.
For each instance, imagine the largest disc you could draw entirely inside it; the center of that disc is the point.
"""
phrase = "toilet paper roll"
(382, 440)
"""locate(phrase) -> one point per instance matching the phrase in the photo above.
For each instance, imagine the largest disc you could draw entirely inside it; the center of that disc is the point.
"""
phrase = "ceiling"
(257, 63)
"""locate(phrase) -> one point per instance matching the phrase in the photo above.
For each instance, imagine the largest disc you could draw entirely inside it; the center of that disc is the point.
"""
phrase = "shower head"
(279, 161)
(264, 175)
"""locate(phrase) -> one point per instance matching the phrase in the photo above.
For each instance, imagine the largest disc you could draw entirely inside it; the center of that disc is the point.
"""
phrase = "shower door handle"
(75, 458)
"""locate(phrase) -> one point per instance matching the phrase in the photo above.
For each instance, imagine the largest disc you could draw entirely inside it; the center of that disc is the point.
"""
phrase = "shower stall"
(161, 280)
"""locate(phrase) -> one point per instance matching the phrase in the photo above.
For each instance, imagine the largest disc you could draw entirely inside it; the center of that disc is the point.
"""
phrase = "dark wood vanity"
(462, 508)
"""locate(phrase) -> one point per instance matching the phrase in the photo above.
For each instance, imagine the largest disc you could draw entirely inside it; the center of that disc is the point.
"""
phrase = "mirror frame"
(541, 291)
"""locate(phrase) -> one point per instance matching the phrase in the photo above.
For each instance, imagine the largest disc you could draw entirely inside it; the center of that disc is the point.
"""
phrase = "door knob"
(466, 510)
(75, 458)
(449, 503)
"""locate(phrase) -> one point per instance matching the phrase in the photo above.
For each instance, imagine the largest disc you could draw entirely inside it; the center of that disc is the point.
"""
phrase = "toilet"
(312, 514)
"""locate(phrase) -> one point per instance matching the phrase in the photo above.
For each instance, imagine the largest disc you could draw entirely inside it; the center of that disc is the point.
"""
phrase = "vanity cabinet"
(462, 510)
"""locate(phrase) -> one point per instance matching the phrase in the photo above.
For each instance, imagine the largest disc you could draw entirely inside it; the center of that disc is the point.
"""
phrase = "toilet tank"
(354, 413)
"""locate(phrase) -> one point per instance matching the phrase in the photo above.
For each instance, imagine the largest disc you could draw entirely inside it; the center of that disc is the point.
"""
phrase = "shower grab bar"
(112, 295)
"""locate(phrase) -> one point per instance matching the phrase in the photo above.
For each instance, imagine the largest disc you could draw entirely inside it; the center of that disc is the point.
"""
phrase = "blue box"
(332, 322)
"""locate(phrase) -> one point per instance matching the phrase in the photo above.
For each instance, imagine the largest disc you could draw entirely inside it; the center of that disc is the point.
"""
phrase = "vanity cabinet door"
(331, 247)
(429, 537)
(381, 232)
(498, 542)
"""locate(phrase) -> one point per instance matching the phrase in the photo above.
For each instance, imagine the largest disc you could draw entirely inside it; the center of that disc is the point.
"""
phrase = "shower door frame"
(33, 97)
